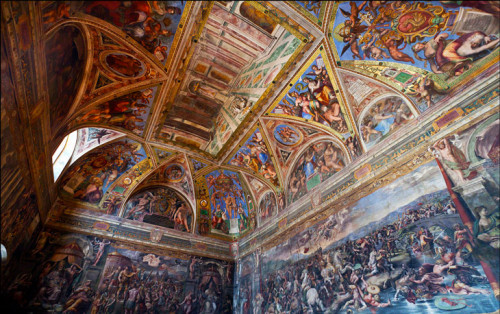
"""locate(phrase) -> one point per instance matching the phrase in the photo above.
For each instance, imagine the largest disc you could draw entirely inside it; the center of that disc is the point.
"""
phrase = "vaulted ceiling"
(215, 117)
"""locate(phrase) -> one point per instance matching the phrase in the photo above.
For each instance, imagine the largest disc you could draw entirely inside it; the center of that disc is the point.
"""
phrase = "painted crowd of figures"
(118, 281)
(228, 202)
(425, 254)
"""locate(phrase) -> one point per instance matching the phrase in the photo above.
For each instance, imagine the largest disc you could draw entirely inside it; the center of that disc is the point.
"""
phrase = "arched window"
(63, 154)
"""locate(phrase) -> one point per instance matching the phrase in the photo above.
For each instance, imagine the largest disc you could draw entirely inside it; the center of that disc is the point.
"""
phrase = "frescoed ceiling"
(216, 118)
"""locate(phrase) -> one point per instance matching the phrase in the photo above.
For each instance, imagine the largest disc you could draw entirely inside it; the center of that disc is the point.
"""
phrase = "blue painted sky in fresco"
(238, 186)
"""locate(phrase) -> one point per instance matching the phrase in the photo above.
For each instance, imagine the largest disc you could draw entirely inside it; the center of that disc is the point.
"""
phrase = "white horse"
(311, 294)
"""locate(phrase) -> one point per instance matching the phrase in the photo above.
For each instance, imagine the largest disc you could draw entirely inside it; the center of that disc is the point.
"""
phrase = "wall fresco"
(160, 206)
(402, 248)
(153, 25)
(93, 174)
(317, 163)
(73, 273)
(228, 202)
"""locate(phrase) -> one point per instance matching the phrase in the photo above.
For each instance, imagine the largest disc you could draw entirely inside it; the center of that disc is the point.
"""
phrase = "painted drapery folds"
(228, 202)
(93, 174)
(73, 273)
(424, 47)
(316, 164)
(403, 248)
(383, 118)
(152, 24)
(160, 206)
(313, 98)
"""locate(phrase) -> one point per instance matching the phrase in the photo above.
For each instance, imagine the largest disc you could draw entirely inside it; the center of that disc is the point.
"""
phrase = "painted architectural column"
(472, 191)
(475, 194)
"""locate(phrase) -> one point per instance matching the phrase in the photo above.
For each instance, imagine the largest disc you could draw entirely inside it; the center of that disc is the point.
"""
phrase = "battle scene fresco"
(442, 40)
(402, 249)
(316, 164)
(74, 273)
(161, 206)
(89, 178)
(228, 202)
(152, 24)
(313, 98)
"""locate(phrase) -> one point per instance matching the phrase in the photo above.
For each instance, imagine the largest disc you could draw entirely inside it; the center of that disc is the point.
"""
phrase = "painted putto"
(93, 174)
(383, 118)
(160, 206)
(419, 33)
(313, 98)
(255, 155)
(152, 24)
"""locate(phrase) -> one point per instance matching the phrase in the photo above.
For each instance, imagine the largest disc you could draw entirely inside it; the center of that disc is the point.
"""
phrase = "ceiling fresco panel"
(268, 207)
(312, 10)
(314, 98)
(160, 206)
(225, 205)
(129, 112)
(436, 39)
(88, 179)
(152, 24)
(234, 119)
(162, 154)
(316, 164)
(176, 174)
(90, 138)
(256, 156)
(115, 69)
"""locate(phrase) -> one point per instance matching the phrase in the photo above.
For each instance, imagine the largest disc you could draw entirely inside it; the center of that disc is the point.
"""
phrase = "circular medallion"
(127, 181)
(287, 135)
(174, 173)
(203, 203)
